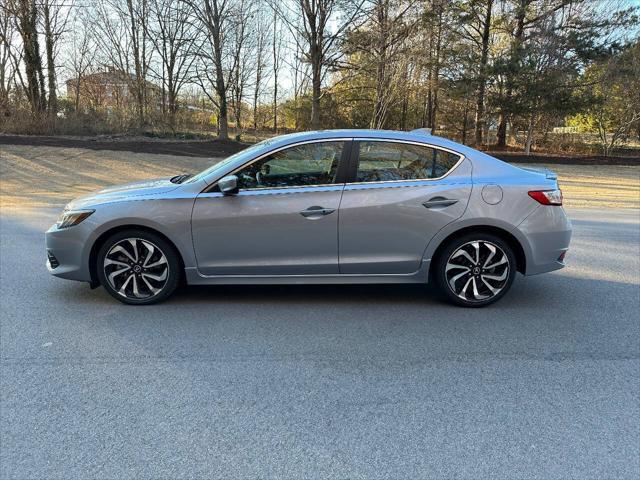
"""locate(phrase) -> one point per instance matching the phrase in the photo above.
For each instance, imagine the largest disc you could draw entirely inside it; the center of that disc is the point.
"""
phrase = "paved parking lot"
(329, 381)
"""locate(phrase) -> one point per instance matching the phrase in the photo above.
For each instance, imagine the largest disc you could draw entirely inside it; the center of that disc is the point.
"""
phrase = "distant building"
(109, 89)
(566, 130)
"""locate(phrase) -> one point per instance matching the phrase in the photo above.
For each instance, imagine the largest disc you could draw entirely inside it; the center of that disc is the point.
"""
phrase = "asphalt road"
(324, 381)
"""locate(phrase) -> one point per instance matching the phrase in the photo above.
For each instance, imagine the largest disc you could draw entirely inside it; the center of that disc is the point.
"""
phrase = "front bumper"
(548, 231)
(67, 247)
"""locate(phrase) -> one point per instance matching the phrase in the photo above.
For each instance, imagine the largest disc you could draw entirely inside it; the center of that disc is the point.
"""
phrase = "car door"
(282, 221)
(399, 195)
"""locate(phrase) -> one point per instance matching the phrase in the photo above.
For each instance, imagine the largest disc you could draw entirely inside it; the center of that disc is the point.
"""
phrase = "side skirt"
(194, 277)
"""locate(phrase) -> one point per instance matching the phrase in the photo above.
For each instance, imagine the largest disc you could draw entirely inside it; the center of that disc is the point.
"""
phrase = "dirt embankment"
(188, 148)
(52, 176)
(513, 157)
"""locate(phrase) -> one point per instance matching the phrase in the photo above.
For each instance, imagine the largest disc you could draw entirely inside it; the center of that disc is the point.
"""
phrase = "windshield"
(247, 152)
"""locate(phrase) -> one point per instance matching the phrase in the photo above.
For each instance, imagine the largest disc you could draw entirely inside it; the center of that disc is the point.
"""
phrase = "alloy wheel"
(136, 268)
(477, 271)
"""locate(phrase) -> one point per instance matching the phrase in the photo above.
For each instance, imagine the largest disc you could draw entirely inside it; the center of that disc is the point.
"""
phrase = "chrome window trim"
(461, 158)
(279, 190)
(271, 152)
(292, 187)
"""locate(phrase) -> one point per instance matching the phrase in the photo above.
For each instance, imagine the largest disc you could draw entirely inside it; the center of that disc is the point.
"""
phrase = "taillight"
(547, 197)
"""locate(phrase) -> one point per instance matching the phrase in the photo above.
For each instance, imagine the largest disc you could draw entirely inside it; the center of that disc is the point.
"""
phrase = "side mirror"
(228, 185)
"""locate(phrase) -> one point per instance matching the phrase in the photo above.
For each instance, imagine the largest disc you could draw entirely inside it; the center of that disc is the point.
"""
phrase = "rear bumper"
(548, 231)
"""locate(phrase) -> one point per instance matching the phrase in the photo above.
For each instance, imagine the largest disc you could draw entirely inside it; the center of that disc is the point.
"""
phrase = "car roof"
(420, 135)
(355, 133)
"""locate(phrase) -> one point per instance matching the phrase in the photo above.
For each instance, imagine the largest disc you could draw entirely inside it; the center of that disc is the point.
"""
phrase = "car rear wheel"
(475, 270)
(138, 267)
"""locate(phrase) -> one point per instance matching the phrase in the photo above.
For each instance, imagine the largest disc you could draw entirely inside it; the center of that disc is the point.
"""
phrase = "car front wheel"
(475, 270)
(138, 267)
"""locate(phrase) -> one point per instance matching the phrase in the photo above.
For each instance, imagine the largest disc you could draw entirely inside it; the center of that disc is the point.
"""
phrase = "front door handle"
(316, 212)
(439, 202)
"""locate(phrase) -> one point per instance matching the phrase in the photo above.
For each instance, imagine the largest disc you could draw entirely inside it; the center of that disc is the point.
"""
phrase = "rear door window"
(381, 161)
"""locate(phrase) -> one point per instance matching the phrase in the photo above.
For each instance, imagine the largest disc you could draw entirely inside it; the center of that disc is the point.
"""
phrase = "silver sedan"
(341, 206)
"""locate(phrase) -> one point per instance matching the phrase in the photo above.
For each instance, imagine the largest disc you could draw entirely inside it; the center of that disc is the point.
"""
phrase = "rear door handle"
(316, 212)
(439, 202)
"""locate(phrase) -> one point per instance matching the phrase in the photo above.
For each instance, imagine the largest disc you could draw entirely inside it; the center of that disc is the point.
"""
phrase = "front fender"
(170, 217)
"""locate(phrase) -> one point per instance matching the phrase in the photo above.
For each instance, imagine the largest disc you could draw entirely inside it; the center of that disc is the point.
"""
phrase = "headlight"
(69, 218)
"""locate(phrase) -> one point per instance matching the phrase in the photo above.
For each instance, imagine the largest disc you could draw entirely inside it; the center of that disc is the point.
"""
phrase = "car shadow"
(330, 293)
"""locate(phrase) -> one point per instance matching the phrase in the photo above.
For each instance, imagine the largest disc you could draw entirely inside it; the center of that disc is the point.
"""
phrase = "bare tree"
(122, 26)
(260, 47)
(81, 54)
(55, 16)
(382, 53)
(520, 17)
(475, 19)
(243, 15)
(138, 12)
(174, 39)
(616, 83)
(318, 25)
(25, 14)
(215, 20)
(300, 84)
(109, 22)
(434, 26)
(8, 63)
(276, 51)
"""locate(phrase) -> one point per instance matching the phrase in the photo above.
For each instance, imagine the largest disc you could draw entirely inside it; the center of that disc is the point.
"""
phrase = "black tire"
(482, 279)
(139, 249)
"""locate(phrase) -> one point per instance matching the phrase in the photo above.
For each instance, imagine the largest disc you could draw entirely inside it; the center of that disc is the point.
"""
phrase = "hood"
(124, 192)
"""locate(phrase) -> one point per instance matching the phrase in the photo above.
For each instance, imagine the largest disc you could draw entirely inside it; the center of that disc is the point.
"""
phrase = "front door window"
(301, 165)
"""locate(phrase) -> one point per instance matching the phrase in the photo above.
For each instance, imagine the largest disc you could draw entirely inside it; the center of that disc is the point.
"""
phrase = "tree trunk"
(276, 62)
(173, 105)
(256, 93)
(255, 111)
(436, 71)
(480, 119)
(51, 68)
(315, 56)
(237, 112)
(436, 74)
(214, 26)
(482, 79)
(433, 80)
(501, 134)
(32, 61)
(426, 117)
(76, 100)
(377, 119)
(139, 80)
(315, 97)
(403, 112)
(465, 121)
(164, 81)
(429, 106)
(529, 140)
(275, 105)
(515, 48)
(221, 91)
(382, 90)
